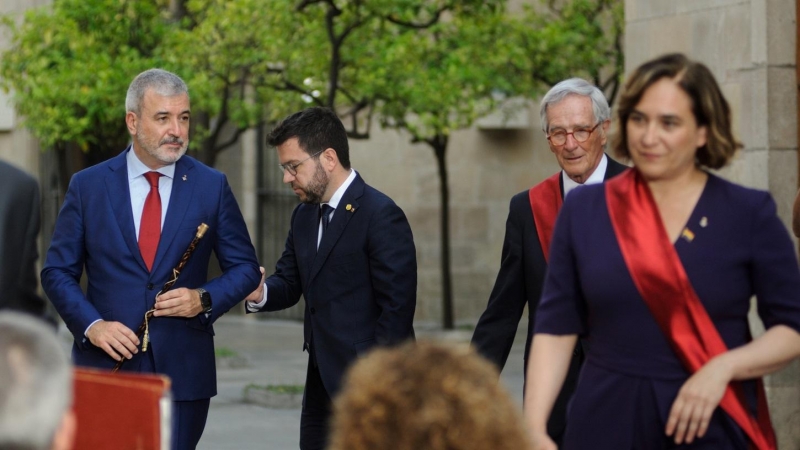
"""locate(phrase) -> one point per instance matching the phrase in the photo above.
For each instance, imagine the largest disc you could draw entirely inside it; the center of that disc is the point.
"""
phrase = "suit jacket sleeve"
(236, 256)
(284, 286)
(497, 327)
(393, 269)
(64, 265)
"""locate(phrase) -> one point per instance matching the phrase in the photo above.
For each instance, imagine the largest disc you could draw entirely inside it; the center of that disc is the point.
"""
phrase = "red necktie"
(150, 226)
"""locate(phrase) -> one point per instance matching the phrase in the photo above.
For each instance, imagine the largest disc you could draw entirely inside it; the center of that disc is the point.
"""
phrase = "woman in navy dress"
(655, 272)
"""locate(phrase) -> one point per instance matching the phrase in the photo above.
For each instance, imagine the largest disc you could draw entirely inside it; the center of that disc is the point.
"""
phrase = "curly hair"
(709, 107)
(425, 396)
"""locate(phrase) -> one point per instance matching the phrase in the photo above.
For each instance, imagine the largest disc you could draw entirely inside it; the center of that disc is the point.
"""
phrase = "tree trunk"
(439, 144)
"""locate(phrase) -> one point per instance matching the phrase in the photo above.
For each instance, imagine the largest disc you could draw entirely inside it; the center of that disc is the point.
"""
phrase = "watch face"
(205, 299)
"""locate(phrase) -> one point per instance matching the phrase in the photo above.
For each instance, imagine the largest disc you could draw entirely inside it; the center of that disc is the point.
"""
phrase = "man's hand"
(114, 338)
(257, 295)
(179, 302)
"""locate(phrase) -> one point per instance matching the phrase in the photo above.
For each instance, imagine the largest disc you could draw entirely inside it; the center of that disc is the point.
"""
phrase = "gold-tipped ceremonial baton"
(144, 328)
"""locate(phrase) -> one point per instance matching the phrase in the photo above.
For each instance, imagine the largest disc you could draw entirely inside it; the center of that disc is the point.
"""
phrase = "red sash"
(661, 280)
(546, 201)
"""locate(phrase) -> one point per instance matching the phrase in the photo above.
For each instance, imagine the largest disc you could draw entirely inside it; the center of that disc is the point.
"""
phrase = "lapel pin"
(349, 207)
(687, 234)
(703, 222)
(183, 178)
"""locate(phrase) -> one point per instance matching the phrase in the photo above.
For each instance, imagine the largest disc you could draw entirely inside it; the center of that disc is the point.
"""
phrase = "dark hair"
(709, 106)
(316, 129)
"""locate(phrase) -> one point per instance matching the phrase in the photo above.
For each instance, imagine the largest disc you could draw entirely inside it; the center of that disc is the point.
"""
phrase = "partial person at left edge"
(20, 212)
(128, 221)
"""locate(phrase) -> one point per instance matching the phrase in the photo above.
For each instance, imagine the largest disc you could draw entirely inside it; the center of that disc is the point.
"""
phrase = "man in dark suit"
(19, 228)
(128, 221)
(575, 116)
(349, 252)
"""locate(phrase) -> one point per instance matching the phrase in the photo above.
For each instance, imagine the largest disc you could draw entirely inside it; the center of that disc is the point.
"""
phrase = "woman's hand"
(696, 401)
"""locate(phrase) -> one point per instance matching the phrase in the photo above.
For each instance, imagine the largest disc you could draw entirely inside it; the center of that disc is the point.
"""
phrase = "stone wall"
(750, 46)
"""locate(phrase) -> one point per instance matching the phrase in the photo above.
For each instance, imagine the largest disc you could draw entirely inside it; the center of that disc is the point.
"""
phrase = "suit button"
(150, 286)
(313, 310)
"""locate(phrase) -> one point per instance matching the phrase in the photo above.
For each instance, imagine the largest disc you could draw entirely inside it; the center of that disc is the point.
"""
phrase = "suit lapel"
(341, 217)
(119, 195)
(179, 201)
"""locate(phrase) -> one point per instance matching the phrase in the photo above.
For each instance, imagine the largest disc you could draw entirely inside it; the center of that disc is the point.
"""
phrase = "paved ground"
(264, 352)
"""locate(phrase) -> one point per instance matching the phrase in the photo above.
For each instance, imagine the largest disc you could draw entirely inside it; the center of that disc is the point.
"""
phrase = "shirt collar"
(595, 178)
(136, 168)
(337, 196)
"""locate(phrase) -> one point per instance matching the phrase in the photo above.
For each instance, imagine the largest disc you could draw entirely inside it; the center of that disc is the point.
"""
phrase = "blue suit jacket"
(360, 288)
(95, 230)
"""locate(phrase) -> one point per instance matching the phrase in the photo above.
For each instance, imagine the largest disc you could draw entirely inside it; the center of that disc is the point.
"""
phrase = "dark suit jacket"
(360, 287)
(95, 229)
(519, 282)
(19, 228)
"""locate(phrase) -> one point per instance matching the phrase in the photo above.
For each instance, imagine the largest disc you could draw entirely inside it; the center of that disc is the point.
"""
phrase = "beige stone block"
(647, 9)
(706, 32)
(735, 46)
(469, 223)
(462, 256)
(782, 107)
(733, 94)
(784, 406)
(471, 292)
(783, 182)
(18, 6)
(636, 43)
(464, 183)
(749, 168)
(758, 32)
(671, 34)
(695, 6)
(429, 295)
(753, 123)
(424, 222)
(781, 32)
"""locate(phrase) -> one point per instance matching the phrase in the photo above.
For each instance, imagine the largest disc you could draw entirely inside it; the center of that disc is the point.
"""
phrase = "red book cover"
(121, 411)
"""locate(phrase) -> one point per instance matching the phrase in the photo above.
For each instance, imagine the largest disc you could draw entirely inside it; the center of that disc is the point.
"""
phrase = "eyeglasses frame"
(573, 135)
(292, 168)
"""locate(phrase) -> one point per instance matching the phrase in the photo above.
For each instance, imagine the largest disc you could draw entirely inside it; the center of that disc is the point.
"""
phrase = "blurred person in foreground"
(425, 396)
(661, 287)
(575, 116)
(36, 389)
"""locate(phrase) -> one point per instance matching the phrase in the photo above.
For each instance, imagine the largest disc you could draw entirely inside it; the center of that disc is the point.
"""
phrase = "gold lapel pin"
(349, 207)
(687, 234)
(704, 222)
(183, 178)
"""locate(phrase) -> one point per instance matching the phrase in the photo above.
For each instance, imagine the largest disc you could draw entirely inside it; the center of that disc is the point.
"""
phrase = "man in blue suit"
(128, 221)
(349, 252)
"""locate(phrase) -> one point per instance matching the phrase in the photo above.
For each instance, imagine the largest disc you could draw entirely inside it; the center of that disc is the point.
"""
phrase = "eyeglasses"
(292, 168)
(560, 137)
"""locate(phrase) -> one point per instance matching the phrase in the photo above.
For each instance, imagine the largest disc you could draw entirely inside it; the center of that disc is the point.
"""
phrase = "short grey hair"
(575, 86)
(162, 82)
(36, 387)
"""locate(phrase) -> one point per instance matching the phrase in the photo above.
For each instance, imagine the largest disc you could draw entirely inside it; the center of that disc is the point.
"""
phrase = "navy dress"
(631, 375)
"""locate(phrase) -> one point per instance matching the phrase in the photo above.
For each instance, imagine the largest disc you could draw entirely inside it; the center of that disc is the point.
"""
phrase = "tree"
(69, 69)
